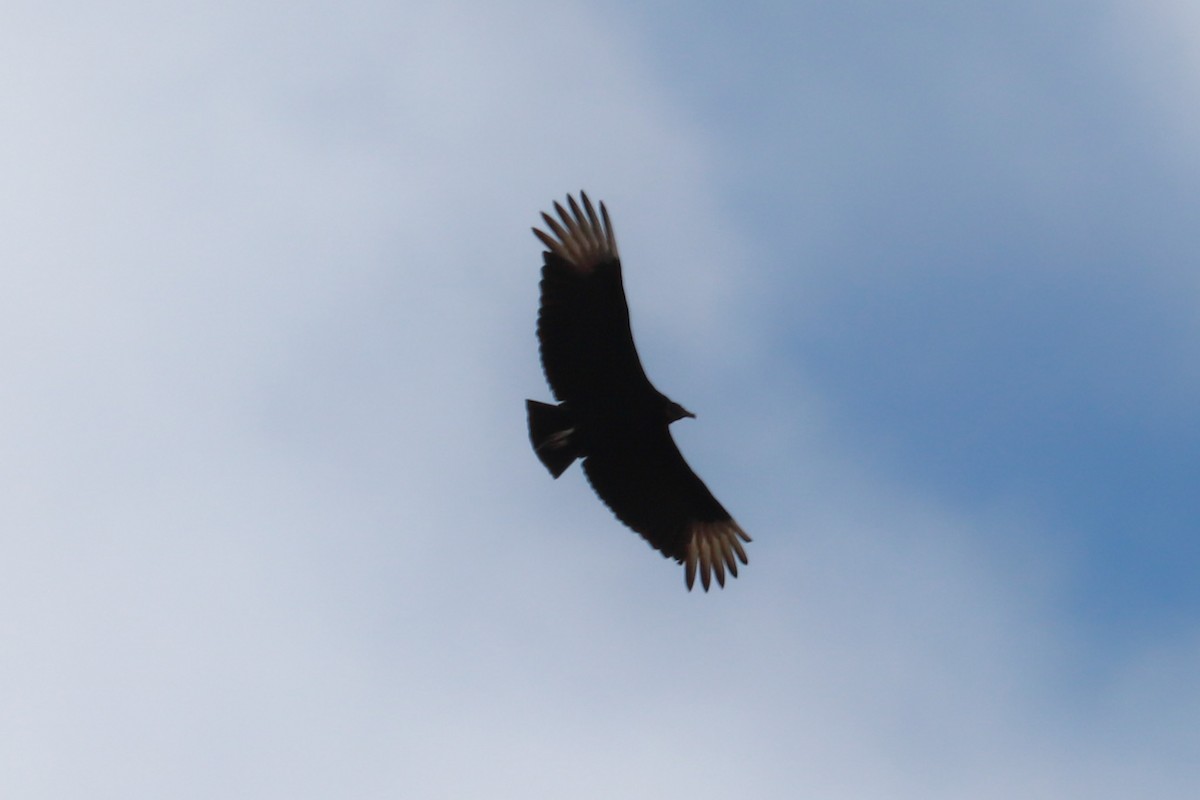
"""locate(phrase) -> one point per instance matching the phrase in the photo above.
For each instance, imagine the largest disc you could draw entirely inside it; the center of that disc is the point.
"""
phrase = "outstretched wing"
(649, 487)
(583, 328)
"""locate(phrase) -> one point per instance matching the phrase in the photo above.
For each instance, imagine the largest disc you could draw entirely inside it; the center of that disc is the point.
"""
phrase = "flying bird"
(609, 414)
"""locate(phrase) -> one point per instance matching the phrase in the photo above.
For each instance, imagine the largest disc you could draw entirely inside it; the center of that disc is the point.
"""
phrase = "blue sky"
(271, 525)
(1004, 308)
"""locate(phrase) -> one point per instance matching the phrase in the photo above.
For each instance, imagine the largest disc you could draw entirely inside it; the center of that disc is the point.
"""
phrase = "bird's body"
(609, 413)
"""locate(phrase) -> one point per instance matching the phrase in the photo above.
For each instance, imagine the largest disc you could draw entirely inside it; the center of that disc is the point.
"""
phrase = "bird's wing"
(583, 323)
(648, 485)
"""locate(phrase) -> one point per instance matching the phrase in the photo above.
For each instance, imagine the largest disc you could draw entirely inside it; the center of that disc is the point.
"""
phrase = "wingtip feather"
(691, 559)
(712, 550)
(583, 240)
(609, 236)
(551, 244)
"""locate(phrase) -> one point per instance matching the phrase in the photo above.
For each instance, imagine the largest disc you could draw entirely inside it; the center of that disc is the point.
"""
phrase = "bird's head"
(675, 412)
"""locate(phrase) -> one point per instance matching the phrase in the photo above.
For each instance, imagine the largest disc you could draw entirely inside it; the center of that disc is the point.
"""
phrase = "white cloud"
(1159, 54)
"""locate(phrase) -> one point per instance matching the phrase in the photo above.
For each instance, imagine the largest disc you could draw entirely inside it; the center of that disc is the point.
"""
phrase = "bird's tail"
(552, 432)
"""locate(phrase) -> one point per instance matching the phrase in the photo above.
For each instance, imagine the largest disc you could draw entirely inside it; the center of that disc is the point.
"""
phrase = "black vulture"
(609, 414)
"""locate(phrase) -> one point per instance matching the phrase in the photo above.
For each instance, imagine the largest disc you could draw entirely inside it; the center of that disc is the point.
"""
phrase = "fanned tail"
(551, 431)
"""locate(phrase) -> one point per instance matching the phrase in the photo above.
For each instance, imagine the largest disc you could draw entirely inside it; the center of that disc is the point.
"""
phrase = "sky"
(270, 522)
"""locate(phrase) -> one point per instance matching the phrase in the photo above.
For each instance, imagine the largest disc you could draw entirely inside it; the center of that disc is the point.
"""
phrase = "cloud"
(272, 526)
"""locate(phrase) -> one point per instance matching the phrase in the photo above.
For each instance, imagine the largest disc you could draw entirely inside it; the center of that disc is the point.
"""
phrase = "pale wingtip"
(713, 550)
(583, 240)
